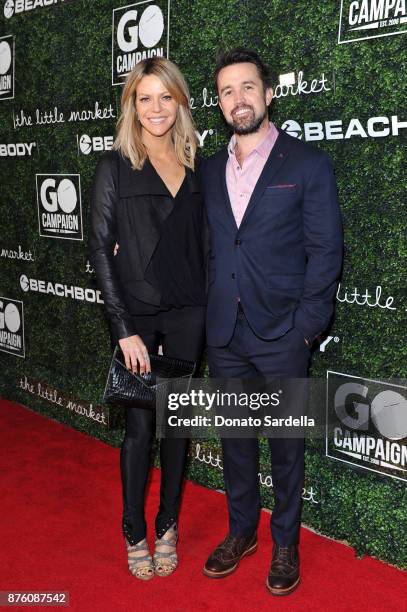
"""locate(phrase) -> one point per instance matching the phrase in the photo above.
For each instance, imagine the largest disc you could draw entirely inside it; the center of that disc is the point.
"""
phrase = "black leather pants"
(181, 334)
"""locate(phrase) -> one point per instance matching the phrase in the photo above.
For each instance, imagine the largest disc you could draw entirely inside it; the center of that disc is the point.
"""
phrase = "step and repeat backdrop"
(340, 84)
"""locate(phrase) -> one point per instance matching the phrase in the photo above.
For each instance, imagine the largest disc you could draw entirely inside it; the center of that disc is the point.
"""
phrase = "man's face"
(242, 97)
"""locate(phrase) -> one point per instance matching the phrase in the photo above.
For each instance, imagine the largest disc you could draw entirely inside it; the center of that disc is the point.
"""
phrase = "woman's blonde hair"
(128, 138)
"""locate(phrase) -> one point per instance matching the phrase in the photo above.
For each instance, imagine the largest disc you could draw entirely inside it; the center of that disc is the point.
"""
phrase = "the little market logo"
(14, 7)
(140, 31)
(364, 19)
(374, 127)
(7, 61)
(294, 84)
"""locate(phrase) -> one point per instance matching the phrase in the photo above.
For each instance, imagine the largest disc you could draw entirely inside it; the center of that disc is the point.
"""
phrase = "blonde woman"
(146, 198)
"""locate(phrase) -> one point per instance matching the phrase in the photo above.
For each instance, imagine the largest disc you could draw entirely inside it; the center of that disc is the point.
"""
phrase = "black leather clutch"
(126, 388)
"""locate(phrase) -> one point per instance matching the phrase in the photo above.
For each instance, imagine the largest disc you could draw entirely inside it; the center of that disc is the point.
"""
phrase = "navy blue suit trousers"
(248, 356)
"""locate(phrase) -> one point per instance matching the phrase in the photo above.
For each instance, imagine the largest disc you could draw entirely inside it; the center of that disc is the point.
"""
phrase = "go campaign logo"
(93, 144)
(374, 127)
(367, 424)
(12, 327)
(140, 31)
(59, 206)
(7, 61)
(14, 7)
(364, 19)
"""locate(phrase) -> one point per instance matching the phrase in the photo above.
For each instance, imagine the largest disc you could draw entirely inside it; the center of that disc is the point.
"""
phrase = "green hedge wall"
(63, 59)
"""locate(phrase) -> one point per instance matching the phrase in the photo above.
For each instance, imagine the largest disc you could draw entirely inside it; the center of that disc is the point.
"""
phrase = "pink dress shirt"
(241, 181)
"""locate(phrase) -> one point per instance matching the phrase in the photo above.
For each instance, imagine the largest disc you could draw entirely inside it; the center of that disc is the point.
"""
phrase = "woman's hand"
(135, 354)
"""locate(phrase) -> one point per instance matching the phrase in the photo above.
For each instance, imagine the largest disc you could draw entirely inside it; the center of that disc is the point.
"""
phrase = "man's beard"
(251, 125)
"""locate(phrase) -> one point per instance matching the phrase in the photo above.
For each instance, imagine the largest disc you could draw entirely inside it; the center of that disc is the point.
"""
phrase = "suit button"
(238, 242)
(233, 275)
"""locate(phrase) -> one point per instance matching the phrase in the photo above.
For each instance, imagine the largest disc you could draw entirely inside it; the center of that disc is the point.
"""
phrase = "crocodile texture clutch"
(126, 388)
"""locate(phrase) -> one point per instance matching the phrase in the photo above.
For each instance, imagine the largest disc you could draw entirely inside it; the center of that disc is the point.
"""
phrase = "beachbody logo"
(82, 294)
(93, 144)
(7, 56)
(323, 345)
(59, 206)
(97, 144)
(367, 424)
(140, 31)
(366, 19)
(12, 327)
(18, 149)
(375, 127)
(13, 7)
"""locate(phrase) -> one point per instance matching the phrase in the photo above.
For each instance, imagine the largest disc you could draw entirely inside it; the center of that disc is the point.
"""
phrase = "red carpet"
(60, 531)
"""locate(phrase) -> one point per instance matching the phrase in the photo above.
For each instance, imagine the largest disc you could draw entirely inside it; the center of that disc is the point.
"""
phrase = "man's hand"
(135, 354)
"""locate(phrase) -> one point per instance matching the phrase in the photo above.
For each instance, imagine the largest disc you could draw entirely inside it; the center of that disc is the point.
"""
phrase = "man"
(276, 252)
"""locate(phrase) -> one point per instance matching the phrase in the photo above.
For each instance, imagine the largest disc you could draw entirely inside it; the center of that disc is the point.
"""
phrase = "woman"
(146, 199)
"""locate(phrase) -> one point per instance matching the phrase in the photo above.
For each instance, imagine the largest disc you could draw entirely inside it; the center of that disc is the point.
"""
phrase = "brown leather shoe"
(226, 557)
(284, 575)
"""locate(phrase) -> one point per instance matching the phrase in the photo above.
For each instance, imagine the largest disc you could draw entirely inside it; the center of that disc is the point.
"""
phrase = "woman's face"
(155, 106)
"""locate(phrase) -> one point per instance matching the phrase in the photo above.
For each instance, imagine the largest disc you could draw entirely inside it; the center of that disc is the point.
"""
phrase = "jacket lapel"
(193, 180)
(273, 164)
(224, 189)
(146, 182)
(140, 182)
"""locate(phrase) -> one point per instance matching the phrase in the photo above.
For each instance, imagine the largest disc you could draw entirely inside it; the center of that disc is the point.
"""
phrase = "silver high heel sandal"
(141, 566)
(165, 554)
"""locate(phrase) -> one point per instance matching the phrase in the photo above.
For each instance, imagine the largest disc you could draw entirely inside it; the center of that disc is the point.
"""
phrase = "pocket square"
(282, 186)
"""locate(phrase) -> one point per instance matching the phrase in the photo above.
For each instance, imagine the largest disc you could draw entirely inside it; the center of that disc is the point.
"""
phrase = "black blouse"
(177, 266)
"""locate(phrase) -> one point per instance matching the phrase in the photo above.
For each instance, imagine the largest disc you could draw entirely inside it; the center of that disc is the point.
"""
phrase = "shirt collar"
(263, 148)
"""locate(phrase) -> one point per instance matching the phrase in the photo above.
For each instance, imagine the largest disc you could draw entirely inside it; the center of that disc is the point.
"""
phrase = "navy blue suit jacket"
(284, 260)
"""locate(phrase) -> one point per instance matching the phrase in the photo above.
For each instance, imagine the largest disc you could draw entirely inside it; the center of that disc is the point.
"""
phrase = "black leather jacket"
(128, 207)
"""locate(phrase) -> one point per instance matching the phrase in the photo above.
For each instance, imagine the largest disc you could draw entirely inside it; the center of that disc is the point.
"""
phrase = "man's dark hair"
(239, 55)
